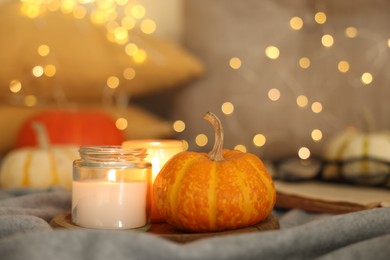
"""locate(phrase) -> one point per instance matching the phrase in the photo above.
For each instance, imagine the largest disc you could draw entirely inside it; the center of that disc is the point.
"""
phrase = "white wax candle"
(109, 205)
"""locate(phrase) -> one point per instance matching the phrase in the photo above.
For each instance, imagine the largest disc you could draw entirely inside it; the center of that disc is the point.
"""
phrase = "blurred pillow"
(141, 124)
(302, 94)
(83, 58)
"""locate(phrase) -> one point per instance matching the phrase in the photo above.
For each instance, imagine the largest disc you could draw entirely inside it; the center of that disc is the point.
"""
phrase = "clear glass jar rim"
(112, 150)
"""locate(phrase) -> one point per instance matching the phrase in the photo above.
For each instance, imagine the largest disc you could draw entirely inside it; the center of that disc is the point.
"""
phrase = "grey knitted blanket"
(26, 234)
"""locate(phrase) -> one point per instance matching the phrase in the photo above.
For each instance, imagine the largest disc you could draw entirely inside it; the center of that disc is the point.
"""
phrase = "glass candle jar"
(159, 151)
(111, 188)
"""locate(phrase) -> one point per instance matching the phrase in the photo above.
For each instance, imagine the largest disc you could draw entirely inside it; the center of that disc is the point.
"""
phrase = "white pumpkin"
(358, 157)
(38, 167)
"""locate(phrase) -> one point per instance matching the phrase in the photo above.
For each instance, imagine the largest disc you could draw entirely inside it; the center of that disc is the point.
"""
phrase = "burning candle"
(111, 188)
(158, 153)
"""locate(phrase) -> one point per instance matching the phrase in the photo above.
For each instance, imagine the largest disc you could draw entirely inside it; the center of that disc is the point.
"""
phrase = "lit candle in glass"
(111, 188)
(158, 153)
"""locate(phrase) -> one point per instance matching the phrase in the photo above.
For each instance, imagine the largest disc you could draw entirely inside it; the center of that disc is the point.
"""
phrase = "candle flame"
(111, 176)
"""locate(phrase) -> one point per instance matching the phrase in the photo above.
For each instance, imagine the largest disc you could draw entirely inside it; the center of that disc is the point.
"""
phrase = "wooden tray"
(164, 230)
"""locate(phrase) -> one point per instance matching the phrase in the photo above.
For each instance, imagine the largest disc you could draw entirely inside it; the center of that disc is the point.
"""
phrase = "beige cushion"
(84, 58)
(141, 124)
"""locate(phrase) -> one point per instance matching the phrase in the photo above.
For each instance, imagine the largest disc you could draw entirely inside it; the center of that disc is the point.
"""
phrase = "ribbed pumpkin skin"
(38, 168)
(196, 194)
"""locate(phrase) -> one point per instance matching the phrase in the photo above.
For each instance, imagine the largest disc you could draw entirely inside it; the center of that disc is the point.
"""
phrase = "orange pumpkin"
(222, 190)
(65, 126)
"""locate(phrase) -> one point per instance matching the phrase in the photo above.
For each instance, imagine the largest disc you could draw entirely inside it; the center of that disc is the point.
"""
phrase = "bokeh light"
(259, 140)
(272, 52)
(227, 108)
(235, 63)
(320, 17)
(302, 101)
(274, 94)
(201, 140)
(179, 126)
(327, 40)
(296, 23)
(240, 147)
(121, 123)
(304, 153)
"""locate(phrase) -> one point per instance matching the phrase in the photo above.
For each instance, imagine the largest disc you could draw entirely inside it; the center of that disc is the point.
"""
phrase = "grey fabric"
(25, 234)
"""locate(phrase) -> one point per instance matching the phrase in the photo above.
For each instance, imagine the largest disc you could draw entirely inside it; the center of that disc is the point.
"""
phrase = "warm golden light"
(98, 16)
(131, 49)
(148, 26)
(274, 94)
(302, 101)
(79, 12)
(111, 175)
(185, 145)
(272, 52)
(304, 153)
(343, 66)
(235, 63)
(351, 32)
(67, 6)
(316, 135)
(53, 6)
(296, 23)
(179, 126)
(15, 86)
(31, 10)
(316, 107)
(128, 22)
(37, 71)
(304, 62)
(327, 40)
(259, 140)
(50, 70)
(30, 100)
(138, 11)
(367, 78)
(121, 123)
(240, 147)
(113, 82)
(119, 2)
(43, 50)
(140, 56)
(320, 17)
(111, 27)
(129, 73)
(227, 108)
(201, 140)
(121, 34)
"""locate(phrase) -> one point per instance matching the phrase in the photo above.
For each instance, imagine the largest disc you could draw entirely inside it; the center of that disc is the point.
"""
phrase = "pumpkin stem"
(41, 134)
(216, 153)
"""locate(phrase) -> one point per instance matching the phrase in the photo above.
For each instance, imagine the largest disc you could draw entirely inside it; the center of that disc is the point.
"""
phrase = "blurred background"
(283, 76)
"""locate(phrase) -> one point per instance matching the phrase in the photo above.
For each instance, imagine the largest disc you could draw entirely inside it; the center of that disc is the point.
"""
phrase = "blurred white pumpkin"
(358, 157)
(38, 167)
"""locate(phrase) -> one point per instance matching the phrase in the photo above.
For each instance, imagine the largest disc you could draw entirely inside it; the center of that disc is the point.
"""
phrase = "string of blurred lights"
(329, 42)
(118, 17)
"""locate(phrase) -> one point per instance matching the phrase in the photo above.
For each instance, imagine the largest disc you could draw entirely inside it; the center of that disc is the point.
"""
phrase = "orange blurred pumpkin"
(79, 127)
(222, 190)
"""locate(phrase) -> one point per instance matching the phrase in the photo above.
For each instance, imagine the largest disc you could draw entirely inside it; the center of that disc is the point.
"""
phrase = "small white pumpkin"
(38, 167)
(358, 157)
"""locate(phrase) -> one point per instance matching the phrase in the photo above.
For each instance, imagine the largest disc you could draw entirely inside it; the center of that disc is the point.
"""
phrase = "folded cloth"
(363, 234)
